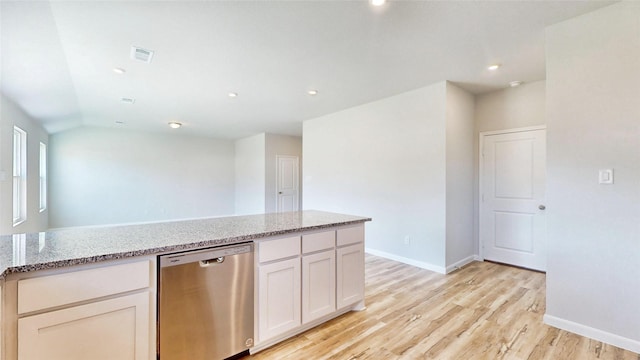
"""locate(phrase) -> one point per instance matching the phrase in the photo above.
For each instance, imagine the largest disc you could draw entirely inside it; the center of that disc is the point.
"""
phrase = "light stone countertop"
(60, 248)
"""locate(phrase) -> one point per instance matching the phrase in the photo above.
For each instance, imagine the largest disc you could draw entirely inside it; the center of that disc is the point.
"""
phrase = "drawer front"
(58, 290)
(270, 250)
(350, 235)
(318, 241)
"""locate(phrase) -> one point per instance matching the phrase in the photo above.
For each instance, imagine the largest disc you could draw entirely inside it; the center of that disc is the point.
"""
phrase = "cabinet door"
(350, 275)
(112, 329)
(318, 285)
(278, 298)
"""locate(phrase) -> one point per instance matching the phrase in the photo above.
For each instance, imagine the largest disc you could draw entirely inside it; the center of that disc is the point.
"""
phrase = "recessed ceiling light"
(232, 94)
(515, 83)
(174, 125)
(378, 2)
(128, 100)
(312, 92)
(119, 122)
(493, 67)
(119, 70)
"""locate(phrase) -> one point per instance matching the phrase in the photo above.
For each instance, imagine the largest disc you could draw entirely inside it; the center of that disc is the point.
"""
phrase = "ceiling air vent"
(141, 54)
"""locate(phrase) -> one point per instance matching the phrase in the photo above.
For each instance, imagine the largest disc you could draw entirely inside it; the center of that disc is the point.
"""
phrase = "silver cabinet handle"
(541, 207)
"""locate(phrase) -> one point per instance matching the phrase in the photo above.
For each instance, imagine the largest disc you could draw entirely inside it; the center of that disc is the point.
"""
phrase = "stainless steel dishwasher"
(206, 303)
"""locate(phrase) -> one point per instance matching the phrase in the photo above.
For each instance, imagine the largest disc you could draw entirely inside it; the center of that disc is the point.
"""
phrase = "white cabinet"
(350, 265)
(307, 279)
(318, 285)
(111, 329)
(105, 312)
(278, 286)
(77, 286)
(350, 279)
(279, 298)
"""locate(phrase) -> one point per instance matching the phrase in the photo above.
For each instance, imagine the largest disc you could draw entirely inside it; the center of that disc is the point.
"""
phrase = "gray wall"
(111, 176)
(593, 123)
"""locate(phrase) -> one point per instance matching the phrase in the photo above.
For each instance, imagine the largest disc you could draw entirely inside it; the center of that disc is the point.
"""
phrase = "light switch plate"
(605, 176)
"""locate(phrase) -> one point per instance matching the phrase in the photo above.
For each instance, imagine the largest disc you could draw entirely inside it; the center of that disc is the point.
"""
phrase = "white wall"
(593, 122)
(250, 175)
(460, 181)
(386, 160)
(10, 115)
(510, 108)
(110, 176)
(279, 145)
(522, 106)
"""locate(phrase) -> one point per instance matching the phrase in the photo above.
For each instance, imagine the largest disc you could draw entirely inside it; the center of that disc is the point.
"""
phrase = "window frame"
(43, 177)
(19, 176)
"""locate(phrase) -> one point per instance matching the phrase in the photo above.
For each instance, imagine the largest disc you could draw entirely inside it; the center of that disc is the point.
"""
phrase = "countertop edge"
(165, 249)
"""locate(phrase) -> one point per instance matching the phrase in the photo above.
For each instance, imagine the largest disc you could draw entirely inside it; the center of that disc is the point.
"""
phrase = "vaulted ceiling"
(57, 57)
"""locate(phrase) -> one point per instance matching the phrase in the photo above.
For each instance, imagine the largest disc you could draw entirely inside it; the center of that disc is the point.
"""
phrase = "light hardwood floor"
(482, 311)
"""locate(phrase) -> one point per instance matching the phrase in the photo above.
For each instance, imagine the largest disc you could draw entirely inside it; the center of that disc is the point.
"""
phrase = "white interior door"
(512, 216)
(287, 183)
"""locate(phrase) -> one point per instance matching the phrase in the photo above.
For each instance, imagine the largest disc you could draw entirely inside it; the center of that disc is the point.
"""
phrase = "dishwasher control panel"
(206, 255)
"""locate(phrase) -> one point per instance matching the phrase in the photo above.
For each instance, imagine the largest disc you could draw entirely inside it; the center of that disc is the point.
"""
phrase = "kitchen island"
(104, 280)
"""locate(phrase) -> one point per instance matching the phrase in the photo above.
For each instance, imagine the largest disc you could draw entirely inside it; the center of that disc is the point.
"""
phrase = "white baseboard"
(422, 264)
(463, 262)
(596, 334)
(402, 259)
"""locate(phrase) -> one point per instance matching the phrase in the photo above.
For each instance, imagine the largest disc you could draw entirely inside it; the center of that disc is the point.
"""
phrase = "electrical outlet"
(407, 240)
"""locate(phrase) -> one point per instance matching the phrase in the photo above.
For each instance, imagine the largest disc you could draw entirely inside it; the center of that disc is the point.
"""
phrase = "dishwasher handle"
(214, 261)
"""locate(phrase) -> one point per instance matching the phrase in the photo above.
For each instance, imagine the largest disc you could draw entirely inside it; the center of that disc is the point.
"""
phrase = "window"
(43, 177)
(19, 175)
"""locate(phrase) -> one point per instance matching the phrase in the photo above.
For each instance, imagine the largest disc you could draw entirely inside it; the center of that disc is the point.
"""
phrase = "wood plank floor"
(482, 311)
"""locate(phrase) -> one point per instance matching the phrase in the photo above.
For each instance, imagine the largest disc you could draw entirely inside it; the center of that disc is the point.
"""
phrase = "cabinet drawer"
(318, 241)
(58, 290)
(350, 235)
(270, 250)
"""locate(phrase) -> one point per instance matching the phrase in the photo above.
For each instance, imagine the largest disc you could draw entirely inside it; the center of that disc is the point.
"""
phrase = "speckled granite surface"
(54, 249)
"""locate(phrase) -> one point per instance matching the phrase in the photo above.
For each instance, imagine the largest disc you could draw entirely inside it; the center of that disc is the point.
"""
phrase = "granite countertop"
(75, 246)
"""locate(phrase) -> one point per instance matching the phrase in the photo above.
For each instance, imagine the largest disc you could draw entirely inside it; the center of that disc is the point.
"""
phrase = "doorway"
(512, 224)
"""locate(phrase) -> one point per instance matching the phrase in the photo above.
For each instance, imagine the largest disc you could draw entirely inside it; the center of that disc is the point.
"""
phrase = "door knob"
(279, 192)
(541, 207)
